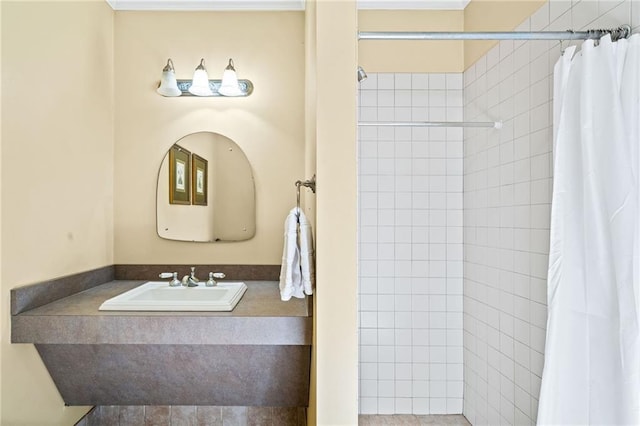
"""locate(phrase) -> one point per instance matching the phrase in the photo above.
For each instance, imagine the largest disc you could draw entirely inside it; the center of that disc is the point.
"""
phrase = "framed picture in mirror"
(179, 175)
(199, 178)
(230, 210)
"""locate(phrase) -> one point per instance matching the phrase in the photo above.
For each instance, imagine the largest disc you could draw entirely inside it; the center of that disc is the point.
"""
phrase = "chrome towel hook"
(309, 183)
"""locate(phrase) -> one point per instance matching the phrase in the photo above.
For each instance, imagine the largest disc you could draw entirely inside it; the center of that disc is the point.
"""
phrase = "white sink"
(158, 296)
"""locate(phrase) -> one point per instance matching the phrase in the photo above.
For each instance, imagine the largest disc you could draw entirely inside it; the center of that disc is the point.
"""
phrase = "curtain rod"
(623, 31)
(493, 124)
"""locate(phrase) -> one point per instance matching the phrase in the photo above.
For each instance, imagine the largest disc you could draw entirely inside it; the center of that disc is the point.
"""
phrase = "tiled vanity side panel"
(186, 415)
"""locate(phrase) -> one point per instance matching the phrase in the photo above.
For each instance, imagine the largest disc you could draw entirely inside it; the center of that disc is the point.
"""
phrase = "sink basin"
(158, 296)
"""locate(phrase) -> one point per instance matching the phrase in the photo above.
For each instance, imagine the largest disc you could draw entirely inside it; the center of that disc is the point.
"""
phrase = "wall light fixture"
(200, 85)
(200, 82)
(229, 85)
(168, 82)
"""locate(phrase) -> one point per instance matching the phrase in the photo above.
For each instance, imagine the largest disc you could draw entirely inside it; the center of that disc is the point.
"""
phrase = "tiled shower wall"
(507, 196)
(410, 236)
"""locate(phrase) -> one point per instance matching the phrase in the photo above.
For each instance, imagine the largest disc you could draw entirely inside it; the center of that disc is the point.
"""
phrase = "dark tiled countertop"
(260, 318)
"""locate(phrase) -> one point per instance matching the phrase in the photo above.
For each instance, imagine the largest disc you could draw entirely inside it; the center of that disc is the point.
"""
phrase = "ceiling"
(274, 5)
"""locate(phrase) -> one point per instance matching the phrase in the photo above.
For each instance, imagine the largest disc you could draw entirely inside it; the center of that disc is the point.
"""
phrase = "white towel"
(297, 272)
(305, 241)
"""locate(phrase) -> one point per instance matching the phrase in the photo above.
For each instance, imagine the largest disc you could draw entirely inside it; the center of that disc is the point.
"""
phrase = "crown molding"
(413, 4)
(207, 5)
(277, 5)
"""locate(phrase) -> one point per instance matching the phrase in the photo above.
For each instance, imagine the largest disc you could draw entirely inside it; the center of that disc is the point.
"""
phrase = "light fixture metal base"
(246, 88)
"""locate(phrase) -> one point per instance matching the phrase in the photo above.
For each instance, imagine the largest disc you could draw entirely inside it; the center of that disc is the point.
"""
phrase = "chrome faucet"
(191, 280)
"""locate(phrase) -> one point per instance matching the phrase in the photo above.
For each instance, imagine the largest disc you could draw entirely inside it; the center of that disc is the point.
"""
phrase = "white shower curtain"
(592, 357)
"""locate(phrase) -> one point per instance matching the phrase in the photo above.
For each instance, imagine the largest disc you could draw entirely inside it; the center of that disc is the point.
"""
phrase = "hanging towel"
(305, 243)
(297, 272)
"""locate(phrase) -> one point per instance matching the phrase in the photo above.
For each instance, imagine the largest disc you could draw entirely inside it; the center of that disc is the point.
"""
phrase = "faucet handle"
(175, 282)
(211, 282)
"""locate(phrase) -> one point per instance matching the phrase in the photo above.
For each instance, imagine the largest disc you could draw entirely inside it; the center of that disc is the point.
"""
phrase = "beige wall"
(336, 262)
(57, 172)
(493, 15)
(268, 49)
(411, 56)
(3, 301)
(310, 147)
(437, 56)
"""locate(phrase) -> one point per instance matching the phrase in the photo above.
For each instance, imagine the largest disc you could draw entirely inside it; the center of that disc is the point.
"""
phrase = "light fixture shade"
(200, 83)
(168, 83)
(229, 85)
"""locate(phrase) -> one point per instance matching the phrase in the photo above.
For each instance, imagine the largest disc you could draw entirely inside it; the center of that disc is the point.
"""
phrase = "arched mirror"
(206, 191)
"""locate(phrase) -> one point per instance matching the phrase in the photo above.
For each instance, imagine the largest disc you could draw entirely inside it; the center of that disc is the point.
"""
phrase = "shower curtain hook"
(561, 48)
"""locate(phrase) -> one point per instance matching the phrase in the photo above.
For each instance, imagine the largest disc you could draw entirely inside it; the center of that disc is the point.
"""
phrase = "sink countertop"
(259, 318)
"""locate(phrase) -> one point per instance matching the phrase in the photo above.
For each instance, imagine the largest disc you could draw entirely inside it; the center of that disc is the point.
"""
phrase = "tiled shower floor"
(408, 419)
